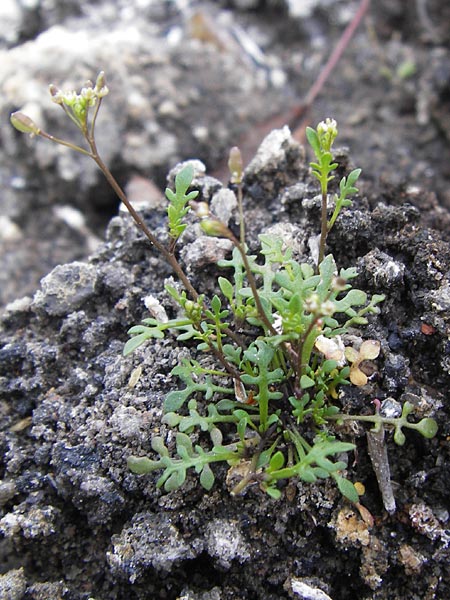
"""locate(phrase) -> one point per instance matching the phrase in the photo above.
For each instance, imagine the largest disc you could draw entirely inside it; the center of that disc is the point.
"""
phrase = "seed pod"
(235, 165)
(24, 123)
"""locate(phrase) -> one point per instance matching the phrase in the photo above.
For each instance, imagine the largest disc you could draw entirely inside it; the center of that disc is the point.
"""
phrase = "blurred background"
(190, 79)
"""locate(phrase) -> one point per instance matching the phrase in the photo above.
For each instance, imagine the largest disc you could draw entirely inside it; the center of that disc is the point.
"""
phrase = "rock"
(65, 289)
(268, 166)
(13, 585)
(148, 541)
(225, 543)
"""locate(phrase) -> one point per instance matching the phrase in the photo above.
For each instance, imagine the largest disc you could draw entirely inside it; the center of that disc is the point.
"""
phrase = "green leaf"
(328, 365)
(346, 488)
(207, 477)
(142, 465)
(232, 353)
(183, 179)
(306, 382)
(226, 288)
(273, 492)
(353, 297)
(353, 176)
(133, 343)
(216, 436)
(178, 200)
(175, 480)
(313, 139)
(216, 304)
(184, 444)
(427, 427)
(175, 400)
(158, 445)
(241, 428)
(327, 270)
(321, 473)
(399, 436)
(277, 461)
(225, 405)
(327, 465)
(307, 474)
(171, 419)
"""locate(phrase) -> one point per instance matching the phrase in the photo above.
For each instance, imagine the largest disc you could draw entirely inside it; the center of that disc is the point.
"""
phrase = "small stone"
(13, 585)
(225, 542)
(65, 289)
(149, 540)
(7, 491)
(307, 591)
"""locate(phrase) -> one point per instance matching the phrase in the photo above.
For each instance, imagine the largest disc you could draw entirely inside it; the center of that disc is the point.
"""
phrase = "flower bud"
(101, 89)
(328, 308)
(89, 96)
(312, 303)
(56, 94)
(327, 132)
(24, 124)
(338, 284)
(214, 227)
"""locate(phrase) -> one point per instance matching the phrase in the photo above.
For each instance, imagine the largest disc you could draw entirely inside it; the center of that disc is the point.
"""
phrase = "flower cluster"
(77, 105)
(327, 132)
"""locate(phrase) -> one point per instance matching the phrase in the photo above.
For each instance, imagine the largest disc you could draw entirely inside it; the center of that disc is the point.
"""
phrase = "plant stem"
(259, 307)
(170, 258)
(241, 213)
(223, 361)
(56, 140)
(323, 226)
(240, 487)
(305, 347)
(160, 247)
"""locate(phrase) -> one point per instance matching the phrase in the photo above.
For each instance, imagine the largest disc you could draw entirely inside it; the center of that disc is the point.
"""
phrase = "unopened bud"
(101, 89)
(338, 284)
(312, 304)
(328, 308)
(216, 228)
(327, 132)
(89, 95)
(24, 124)
(56, 94)
(235, 165)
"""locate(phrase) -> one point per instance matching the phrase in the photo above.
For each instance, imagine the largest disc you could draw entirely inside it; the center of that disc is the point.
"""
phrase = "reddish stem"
(295, 117)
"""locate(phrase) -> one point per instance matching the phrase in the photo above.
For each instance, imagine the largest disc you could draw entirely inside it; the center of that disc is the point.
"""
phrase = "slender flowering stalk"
(321, 140)
(77, 107)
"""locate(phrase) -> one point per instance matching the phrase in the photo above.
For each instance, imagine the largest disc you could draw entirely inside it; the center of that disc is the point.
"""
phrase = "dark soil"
(76, 524)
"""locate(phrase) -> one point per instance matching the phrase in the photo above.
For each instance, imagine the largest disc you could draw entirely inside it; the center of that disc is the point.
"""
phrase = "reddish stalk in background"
(296, 117)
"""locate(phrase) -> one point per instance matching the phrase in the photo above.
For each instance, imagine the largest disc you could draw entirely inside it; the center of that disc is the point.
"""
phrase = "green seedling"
(270, 408)
(321, 141)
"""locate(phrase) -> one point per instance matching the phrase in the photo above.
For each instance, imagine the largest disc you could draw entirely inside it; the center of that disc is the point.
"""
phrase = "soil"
(75, 522)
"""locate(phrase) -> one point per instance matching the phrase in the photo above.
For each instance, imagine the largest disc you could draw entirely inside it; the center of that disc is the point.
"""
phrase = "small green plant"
(270, 408)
